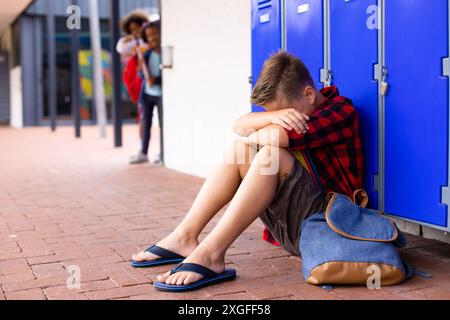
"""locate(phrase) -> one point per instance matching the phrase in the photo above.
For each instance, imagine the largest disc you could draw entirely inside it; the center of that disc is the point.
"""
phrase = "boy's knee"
(240, 153)
(276, 159)
(273, 153)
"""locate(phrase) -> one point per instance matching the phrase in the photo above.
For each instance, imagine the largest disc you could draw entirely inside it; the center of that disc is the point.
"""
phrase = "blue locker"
(354, 53)
(305, 34)
(266, 35)
(416, 113)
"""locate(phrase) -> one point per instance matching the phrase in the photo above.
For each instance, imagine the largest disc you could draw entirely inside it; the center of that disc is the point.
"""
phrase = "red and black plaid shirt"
(333, 144)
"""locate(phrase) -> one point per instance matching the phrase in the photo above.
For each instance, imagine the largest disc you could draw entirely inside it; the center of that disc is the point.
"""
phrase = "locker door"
(304, 34)
(266, 34)
(354, 53)
(416, 110)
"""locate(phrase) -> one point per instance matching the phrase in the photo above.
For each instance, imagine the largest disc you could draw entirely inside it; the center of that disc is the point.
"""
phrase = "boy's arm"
(290, 119)
(329, 125)
(251, 123)
(272, 135)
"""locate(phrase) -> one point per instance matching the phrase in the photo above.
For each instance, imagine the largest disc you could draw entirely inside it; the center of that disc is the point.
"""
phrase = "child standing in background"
(151, 95)
(128, 47)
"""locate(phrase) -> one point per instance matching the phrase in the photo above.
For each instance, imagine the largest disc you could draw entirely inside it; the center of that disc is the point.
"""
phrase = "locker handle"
(384, 85)
(384, 73)
(326, 75)
(381, 73)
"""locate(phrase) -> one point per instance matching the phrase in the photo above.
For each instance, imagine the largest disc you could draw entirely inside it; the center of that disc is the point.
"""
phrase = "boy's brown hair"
(283, 73)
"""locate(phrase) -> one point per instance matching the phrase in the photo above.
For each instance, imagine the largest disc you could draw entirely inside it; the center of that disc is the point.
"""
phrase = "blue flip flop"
(210, 277)
(167, 257)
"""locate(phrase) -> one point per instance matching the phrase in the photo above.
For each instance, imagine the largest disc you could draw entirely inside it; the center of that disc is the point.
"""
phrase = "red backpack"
(131, 79)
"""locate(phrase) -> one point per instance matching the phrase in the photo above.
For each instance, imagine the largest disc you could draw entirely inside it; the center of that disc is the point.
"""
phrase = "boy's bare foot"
(179, 244)
(201, 256)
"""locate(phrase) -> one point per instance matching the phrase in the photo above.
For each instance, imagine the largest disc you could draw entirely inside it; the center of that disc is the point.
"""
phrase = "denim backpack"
(341, 245)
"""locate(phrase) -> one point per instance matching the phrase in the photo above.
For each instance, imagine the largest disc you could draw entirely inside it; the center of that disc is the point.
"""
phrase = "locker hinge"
(446, 67)
(326, 76)
(380, 72)
(377, 184)
(445, 195)
(377, 72)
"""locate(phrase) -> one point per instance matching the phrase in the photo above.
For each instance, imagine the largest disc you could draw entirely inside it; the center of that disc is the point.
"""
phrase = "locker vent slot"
(262, 4)
(303, 8)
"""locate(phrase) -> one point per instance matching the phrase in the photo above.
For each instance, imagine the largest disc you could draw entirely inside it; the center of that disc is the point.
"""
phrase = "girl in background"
(151, 91)
(130, 47)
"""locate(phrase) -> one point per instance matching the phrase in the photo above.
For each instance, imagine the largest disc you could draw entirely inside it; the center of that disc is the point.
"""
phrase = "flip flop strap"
(163, 253)
(193, 267)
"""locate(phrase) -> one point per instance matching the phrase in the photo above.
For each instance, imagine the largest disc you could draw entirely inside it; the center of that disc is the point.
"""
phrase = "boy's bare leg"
(215, 193)
(254, 195)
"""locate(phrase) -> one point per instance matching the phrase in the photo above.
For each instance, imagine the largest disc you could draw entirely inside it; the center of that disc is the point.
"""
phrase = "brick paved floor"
(67, 202)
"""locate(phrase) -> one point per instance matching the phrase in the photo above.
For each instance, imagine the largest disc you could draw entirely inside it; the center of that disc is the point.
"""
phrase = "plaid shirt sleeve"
(329, 125)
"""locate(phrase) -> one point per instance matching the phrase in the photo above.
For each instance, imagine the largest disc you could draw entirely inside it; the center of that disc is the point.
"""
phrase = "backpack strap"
(363, 194)
(351, 221)
(357, 193)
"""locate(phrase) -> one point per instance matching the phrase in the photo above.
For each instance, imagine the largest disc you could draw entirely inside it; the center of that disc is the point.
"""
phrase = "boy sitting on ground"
(306, 144)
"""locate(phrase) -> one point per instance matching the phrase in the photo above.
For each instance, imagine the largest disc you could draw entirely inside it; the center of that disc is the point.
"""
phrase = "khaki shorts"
(297, 198)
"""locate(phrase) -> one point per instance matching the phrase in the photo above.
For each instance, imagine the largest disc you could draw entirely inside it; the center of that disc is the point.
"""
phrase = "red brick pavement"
(67, 202)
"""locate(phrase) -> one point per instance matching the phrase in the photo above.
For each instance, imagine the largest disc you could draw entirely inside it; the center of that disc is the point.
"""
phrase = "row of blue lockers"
(357, 45)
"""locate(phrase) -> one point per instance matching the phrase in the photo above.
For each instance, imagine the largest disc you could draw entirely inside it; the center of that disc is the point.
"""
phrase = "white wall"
(15, 82)
(16, 120)
(207, 89)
